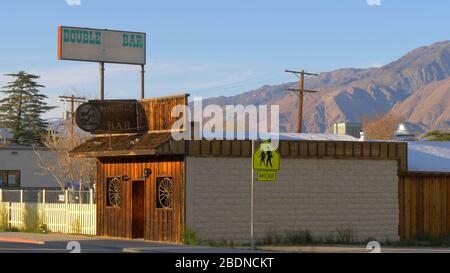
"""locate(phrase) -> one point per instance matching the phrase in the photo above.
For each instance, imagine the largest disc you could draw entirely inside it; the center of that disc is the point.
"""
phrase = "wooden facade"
(424, 200)
(138, 215)
(140, 171)
(157, 112)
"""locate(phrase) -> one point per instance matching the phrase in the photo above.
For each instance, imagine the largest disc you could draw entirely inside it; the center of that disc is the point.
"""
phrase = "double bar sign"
(97, 45)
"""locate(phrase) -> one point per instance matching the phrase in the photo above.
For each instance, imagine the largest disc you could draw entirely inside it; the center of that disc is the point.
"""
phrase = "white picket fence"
(58, 217)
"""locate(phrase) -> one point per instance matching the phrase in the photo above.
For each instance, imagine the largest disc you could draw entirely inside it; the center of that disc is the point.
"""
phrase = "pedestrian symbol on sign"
(266, 158)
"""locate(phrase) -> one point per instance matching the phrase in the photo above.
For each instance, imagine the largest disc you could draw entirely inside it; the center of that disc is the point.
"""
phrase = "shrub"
(30, 218)
(189, 237)
(272, 237)
(4, 223)
(76, 226)
(43, 228)
(299, 237)
(345, 236)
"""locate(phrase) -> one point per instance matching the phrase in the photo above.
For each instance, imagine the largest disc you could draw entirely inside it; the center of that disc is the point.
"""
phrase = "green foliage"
(296, 237)
(22, 107)
(345, 236)
(76, 226)
(223, 243)
(437, 135)
(30, 218)
(422, 240)
(189, 237)
(272, 238)
(4, 225)
(304, 237)
(12, 229)
(43, 228)
(299, 237)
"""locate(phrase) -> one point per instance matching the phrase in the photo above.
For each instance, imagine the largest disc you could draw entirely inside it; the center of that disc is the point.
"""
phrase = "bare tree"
(54, 157)
(381, 127)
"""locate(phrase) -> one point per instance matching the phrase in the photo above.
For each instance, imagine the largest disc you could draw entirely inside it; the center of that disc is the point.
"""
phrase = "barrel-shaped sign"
(110, 117)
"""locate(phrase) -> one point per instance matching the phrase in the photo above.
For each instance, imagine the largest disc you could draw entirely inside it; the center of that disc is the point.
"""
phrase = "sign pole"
(252, 238)
(142, 81)
(102, 80)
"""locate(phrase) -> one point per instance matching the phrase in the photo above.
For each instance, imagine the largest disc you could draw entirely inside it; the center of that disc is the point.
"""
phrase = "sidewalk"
(12, 241)
(38, 238)
(352, 249)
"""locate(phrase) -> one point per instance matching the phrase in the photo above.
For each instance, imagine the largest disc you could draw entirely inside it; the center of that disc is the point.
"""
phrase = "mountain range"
(416, 87)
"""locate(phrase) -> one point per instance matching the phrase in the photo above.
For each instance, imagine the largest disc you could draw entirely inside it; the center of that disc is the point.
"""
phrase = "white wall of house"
(24, 160)
(323, 196)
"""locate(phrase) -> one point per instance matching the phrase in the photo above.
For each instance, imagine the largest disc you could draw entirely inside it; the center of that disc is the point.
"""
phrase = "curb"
(21, 241)
(131, 250)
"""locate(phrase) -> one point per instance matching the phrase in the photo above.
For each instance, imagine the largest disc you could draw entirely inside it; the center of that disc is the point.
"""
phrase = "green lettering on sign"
(132, 40)
(81, 36)
(266, 176)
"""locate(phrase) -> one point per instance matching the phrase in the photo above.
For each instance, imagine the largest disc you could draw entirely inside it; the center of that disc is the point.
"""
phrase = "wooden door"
(138, 210)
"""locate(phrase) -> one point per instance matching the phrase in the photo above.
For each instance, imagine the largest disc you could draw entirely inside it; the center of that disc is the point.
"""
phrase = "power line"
(302, 75)
(237, 84)
(72, 100)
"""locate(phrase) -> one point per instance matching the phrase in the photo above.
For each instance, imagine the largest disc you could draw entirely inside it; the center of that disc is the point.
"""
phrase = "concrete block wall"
(318, 195)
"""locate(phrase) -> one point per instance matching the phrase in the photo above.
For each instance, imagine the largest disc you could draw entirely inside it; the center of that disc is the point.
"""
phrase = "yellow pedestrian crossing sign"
(266, 158)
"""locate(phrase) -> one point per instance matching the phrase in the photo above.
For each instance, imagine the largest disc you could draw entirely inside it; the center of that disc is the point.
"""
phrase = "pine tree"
(22, 107)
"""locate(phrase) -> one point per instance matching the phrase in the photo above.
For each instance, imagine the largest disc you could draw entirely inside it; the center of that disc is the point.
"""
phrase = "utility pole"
(72, 100)
(302, 75)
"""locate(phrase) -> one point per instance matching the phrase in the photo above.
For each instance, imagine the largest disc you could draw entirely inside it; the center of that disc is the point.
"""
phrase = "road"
(58, 243)
(52, 243)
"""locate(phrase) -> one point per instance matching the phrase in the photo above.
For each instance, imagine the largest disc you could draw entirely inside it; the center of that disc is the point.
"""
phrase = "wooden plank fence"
(424, 200)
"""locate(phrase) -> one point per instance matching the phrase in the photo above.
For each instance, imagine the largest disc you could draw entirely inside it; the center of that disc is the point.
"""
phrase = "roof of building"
(121, 145)
(429, 156)
(285, 136)
(160, 143)
(308, 136)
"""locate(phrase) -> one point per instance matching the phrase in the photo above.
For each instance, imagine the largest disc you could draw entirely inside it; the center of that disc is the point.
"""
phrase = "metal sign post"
(102, 80)
(142, 81)
(252, 238)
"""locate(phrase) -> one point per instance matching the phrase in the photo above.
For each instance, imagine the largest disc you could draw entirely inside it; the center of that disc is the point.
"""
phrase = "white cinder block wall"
(319, 195)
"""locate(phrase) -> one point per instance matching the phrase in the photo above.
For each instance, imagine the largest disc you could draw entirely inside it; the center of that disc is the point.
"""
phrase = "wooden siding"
(305, 149)
(163, 225)
(157, 112)
(424, 201)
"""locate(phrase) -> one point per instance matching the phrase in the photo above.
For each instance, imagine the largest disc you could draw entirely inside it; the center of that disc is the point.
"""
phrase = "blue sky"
(210, 48)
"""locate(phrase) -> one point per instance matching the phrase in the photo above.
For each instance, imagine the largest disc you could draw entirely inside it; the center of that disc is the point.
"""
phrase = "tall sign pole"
(102, 80)
(302, 75)
(252, 236)
(142, 81)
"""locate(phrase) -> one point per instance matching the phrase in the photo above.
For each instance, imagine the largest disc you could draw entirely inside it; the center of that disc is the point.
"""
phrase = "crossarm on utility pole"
(302, 75)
